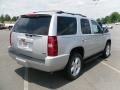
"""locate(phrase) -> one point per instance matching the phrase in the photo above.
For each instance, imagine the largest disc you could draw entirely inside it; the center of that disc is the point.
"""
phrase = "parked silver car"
(52, 41)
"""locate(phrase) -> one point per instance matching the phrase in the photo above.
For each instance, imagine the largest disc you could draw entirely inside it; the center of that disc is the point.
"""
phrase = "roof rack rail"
(48, 11)
(60, 12)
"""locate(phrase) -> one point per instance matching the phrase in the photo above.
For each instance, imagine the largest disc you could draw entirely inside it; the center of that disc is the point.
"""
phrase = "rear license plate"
(24, 44)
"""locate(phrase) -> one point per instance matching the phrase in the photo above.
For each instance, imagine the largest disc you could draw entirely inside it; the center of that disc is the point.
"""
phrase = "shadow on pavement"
(55, 80)
(21, 72)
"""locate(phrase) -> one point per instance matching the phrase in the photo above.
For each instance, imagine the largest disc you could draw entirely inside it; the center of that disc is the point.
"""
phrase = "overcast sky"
(93, 9)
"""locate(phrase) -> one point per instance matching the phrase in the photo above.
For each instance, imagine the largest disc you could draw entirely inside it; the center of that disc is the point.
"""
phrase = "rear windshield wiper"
(30, 35)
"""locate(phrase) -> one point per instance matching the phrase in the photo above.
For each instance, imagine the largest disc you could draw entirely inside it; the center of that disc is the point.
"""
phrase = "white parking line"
(26, 79)
(111, 67)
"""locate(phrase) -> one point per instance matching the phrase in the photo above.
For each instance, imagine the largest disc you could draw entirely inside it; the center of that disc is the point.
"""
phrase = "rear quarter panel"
(67, 43)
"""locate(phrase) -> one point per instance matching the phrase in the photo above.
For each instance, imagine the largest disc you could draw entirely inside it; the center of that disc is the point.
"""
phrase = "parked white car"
(118, 23)
(9, 26)
(107, 26)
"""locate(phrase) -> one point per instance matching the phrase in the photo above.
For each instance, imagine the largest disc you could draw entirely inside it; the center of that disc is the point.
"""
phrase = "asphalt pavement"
(100, 74)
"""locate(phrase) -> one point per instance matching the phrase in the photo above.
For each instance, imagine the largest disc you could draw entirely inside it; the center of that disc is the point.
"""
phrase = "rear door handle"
(83, 40)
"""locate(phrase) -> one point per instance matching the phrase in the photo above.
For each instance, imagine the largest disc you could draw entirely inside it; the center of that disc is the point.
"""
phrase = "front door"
(98, 36)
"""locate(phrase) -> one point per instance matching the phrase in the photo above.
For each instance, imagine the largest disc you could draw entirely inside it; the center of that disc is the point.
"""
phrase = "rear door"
(87, 37)
(30, 35)
(66, 33)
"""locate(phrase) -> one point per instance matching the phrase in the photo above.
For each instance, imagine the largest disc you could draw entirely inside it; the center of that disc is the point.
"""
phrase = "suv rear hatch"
(30, 35)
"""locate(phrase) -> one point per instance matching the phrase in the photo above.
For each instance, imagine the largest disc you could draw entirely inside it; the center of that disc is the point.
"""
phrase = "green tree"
(119, 19)
(14, 18)
(2, 18)
(107, 19)
(114, 17)
(7, 17)
(98, 20)
(103, 20)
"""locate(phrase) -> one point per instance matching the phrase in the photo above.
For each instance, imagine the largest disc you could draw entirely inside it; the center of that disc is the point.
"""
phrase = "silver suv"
(52, 41)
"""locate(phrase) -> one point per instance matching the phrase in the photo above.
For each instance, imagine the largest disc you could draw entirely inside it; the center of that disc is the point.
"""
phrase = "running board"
(91, 58)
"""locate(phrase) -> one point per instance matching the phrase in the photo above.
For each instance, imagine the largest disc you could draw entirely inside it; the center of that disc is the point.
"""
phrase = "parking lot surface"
(9, 80)
(100, 74)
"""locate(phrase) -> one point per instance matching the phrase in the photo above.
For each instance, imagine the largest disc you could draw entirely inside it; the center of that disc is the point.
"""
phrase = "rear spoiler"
(34, 15)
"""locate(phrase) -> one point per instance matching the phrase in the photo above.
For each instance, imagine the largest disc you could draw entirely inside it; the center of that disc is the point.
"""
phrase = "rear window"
(33, 25)
(66, 25)
(85, 26)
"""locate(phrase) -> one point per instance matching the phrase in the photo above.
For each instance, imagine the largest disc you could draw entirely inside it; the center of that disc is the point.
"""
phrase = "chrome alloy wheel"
(76, 66)
(108, 49)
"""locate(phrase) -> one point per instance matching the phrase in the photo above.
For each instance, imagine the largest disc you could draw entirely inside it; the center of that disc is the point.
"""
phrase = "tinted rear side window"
(85, 26)
(33, 25)
(66, 26)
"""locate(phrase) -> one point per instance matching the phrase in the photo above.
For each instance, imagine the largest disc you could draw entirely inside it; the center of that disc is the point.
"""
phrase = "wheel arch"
(79, 50)
(108, 41)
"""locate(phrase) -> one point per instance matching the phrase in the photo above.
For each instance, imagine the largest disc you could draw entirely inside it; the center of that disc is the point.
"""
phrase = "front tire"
(74, 66)
(107, 50)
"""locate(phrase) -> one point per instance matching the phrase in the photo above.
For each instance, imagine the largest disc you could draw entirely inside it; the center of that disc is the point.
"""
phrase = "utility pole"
(96, 1)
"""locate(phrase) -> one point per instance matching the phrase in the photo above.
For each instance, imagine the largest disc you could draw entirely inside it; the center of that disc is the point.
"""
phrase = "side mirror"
(105, 30)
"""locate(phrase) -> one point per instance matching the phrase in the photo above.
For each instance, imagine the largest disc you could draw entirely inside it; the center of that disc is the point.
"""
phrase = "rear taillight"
(52, 46)
(10, 39)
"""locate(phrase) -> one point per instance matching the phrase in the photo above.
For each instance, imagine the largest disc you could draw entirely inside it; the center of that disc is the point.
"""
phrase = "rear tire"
(74, 66)
(107, 50)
